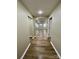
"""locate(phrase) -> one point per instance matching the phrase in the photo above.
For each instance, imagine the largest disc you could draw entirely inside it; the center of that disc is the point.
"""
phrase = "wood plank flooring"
(40, 49)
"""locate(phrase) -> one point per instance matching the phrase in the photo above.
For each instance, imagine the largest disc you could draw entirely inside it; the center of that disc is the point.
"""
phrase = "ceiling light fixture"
(40, 12)
(44, 25)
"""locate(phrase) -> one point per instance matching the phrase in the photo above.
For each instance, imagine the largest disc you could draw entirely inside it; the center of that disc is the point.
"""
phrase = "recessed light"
(40, 12)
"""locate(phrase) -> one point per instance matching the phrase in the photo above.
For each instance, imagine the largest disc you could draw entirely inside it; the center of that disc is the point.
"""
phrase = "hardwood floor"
(40, 49)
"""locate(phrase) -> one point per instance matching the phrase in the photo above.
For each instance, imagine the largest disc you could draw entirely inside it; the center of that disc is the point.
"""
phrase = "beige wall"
(55, 28)
(24, 29)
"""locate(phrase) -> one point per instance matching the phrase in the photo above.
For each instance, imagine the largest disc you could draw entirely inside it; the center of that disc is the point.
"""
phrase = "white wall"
(55, 28)
(24, 29)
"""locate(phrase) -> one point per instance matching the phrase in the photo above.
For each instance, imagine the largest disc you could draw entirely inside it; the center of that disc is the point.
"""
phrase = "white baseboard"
(25, 51)
(55, 50)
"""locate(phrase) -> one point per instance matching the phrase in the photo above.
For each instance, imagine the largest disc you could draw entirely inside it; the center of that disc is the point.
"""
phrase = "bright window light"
(36, 25)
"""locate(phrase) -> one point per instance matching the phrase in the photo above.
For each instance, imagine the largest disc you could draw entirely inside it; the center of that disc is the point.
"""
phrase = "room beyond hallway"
(41, 49)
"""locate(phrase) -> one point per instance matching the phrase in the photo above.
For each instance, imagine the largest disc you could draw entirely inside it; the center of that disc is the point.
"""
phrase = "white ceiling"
(46, 6)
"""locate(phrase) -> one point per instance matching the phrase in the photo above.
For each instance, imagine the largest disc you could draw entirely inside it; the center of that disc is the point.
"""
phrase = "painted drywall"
(24, 29)
(55, 28)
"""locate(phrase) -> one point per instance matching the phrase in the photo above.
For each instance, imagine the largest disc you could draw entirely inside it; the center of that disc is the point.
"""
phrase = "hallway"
(39, 29)
(40, 19)
(40, 49)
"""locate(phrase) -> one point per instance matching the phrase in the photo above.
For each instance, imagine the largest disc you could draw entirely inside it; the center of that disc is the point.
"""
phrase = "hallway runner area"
(41, 49)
